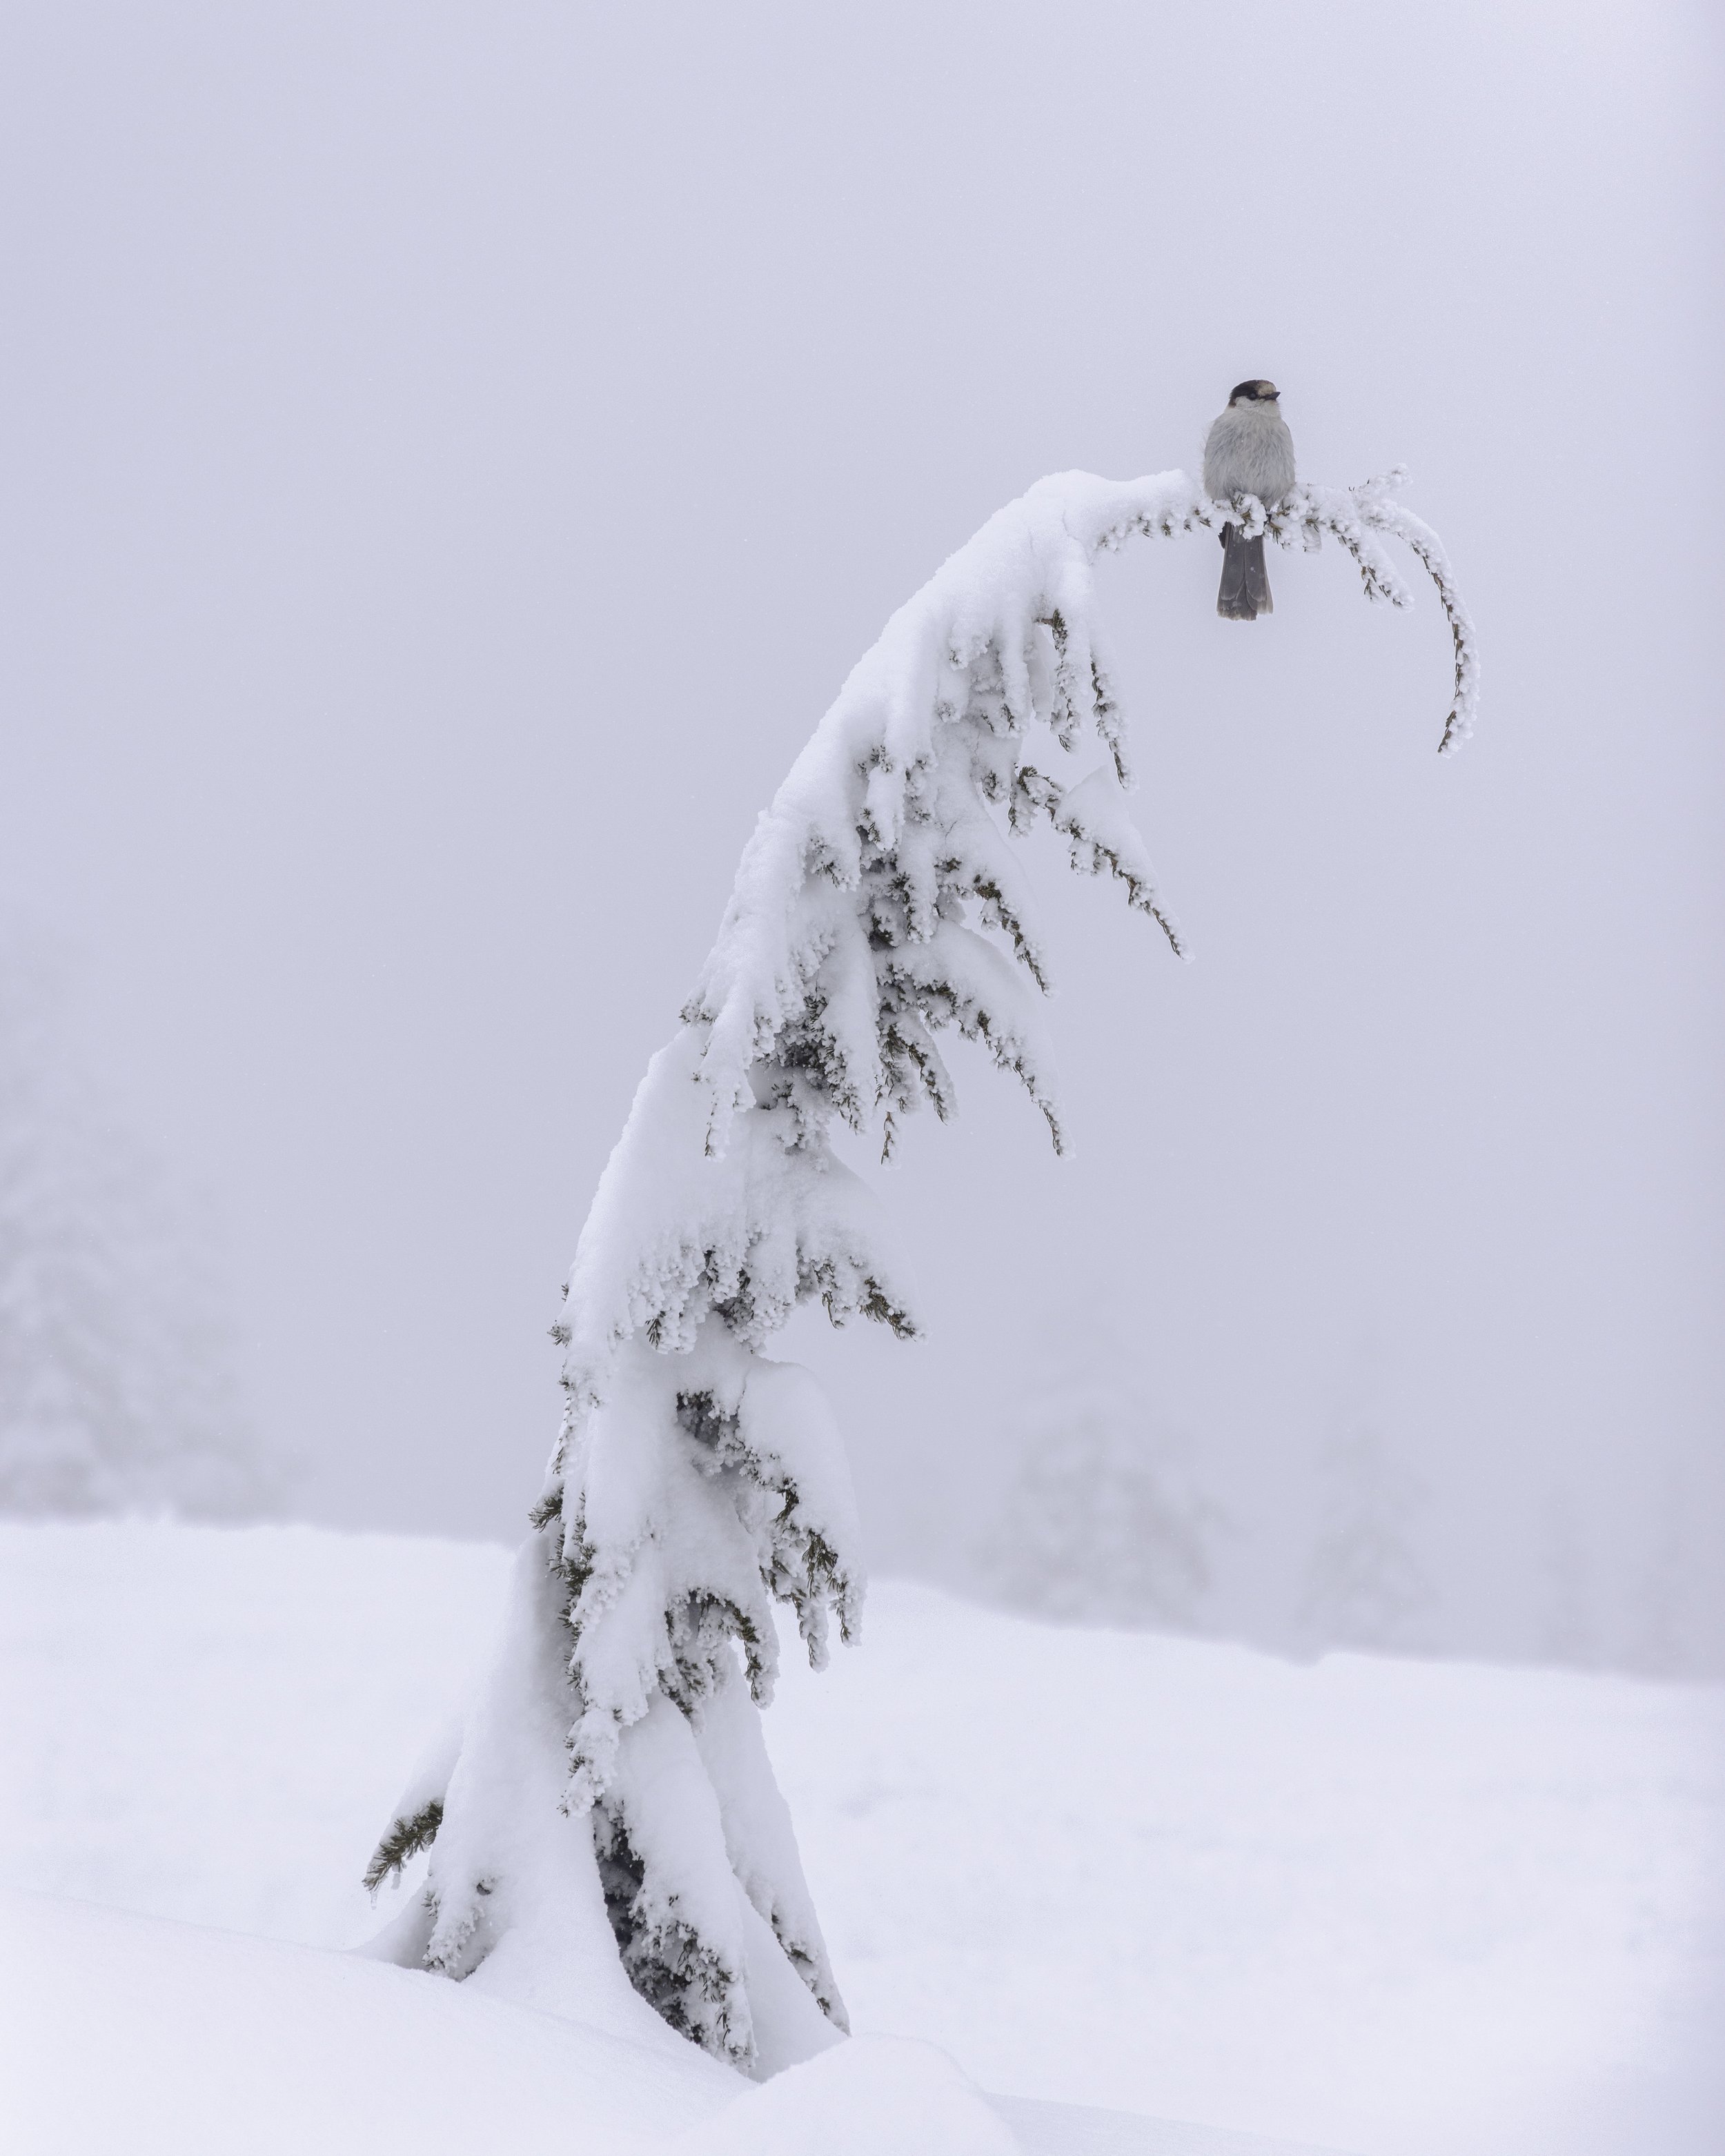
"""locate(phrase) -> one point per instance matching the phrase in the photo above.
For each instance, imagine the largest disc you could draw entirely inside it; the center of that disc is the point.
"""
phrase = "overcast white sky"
(449, 456)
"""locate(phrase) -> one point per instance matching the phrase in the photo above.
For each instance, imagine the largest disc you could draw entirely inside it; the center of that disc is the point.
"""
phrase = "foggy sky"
(452, 456)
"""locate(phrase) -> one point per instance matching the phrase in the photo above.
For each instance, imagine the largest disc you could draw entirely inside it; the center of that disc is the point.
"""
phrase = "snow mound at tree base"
(171, 2040)
(137, 2033)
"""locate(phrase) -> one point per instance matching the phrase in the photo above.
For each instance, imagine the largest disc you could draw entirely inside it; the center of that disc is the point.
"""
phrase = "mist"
(440, 443)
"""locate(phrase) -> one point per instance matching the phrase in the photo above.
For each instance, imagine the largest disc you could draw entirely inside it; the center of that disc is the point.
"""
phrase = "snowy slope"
(125, 2031)
(1405, 1908)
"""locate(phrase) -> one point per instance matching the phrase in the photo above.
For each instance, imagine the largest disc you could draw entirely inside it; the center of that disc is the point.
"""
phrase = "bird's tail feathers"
(1245, 582)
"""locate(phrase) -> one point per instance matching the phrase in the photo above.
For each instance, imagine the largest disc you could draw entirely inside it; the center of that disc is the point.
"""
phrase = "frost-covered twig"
(1169, 506)
(1353, 515)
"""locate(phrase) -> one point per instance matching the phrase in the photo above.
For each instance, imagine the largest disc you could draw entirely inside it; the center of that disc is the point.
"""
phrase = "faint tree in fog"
(115, 1388)
(1662, 1608)
(1099, 1519)
(1365, 1586)
(1569, 1624)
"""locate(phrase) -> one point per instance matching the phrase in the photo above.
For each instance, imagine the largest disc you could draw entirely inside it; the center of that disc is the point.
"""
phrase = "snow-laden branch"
(1352, 515)
(1005, 636)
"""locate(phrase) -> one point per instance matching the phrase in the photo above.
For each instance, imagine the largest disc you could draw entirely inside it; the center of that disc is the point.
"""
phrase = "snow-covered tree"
(1662, 1642)
(607, 1807)
(1568, 1620)
(116, 1390)
(1100, 1520)
(1365, 1585)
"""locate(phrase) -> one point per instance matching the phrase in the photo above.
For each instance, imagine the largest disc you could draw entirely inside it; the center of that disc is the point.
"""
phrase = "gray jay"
(1248, 450)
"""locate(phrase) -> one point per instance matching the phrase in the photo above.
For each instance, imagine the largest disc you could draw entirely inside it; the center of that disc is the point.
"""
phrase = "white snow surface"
(1400, 1907)
(206, 2041)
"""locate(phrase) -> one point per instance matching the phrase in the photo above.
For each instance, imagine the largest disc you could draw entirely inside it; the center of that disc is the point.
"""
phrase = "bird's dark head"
(1254, 392)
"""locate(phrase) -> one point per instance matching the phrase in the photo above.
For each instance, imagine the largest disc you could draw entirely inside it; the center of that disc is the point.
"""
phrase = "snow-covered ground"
(1400, 1908)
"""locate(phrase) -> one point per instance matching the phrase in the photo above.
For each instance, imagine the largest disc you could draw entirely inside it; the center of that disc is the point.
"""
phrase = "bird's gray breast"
(1249, 451)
